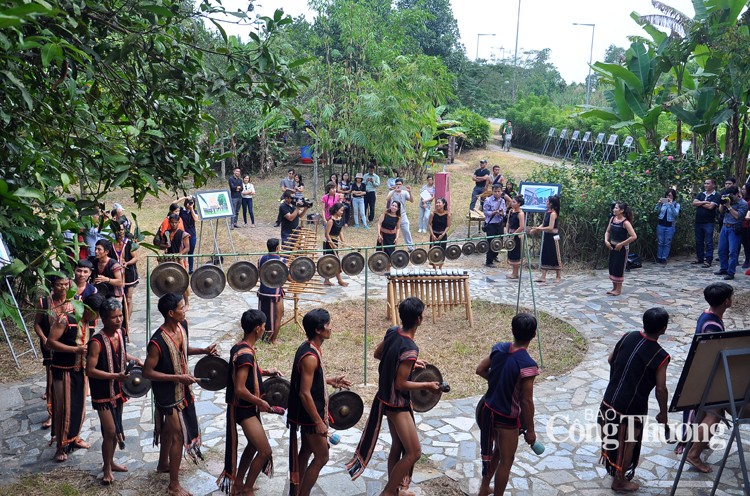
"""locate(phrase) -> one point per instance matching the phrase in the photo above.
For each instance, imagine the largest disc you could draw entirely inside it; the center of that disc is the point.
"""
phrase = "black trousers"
(370, 205)
(493, 230)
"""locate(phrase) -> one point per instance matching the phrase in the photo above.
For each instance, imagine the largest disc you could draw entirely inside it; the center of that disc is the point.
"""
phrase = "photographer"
(733, 208)
(189, 218)
(289, 213)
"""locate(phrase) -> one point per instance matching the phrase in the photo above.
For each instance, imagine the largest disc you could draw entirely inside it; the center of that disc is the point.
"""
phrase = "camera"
(305, 203)
(726, 198)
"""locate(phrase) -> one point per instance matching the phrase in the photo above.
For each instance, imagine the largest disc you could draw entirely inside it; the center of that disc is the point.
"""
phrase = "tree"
(614, 55)
(101, 95)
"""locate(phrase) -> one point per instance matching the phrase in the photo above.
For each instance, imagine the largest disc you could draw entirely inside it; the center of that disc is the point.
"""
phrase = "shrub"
(477, 128)
(639, 180)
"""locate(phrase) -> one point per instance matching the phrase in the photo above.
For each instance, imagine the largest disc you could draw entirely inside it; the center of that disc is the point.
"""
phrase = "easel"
(5, 259)
(214, 231)
(563, 138)
(573, 142)
(610, 148)
(550, 137)
(597, 145)
(722, 359)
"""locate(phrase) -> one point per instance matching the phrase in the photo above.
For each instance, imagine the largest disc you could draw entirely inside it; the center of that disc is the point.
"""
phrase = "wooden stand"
(302, 243)
(441, 291)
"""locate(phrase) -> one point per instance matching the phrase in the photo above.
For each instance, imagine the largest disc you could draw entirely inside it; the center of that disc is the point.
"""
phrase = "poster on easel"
(214, 204)
(5, 258)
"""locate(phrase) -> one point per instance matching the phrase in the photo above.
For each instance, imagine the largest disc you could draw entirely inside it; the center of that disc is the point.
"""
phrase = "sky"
(543, 24)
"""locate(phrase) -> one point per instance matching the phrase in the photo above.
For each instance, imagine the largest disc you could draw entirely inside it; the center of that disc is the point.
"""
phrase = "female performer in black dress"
(618, 236)
(333, 236)
(550, 257)
(438, 225)
(516, 225)
(388, 227)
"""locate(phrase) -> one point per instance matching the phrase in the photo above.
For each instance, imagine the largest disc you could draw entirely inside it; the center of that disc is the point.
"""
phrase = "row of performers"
(509, 371)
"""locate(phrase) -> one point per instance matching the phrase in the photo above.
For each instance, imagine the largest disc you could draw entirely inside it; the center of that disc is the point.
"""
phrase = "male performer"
(638, 364)
(244, 406)
(308, 404)
(175, 420)
(718, 295)
(105, 368)
(82, 272)
(67, 340)
(271, 300)
(178, 243)
(398, 356)
(510, 373)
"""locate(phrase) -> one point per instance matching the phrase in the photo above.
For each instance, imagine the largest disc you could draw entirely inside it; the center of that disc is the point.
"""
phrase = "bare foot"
(487, 492)
(119, 468)
(558, 280)
(177, 491)
(512, 277)
(679, 449)
(698, 465)
(60, 456)
(343, 283)
(47, 423)
(623, 486)
(328, 283)
(80, 444)
(610, 292)
(614, 293)
(162, 470)
(107, 480)
(405, 492)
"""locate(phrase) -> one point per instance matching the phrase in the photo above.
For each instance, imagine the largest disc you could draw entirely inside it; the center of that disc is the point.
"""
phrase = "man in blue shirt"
(494, 219)
(372, 181)
(733, 208)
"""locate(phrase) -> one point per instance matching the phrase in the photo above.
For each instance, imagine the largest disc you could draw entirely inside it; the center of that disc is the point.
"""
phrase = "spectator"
(495, 177)
(372, 182)
(402, 194)
(734, 209)
(248, 192)
(329, 199)
(729, 182)
(174, 209)
(290, 214)
(345, 190)
(426, 196)
(507, 135)
(480, 177)
(287, 184)
(235, 188)
(392, 180)
(746, 228)
(359, 191)
(118, 215)
(705, 205)
(668, 209)
(188, 217)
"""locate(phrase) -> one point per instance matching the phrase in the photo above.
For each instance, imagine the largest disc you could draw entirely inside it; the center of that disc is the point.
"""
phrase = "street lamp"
(515, 53)
(591, 55)
(476, 57)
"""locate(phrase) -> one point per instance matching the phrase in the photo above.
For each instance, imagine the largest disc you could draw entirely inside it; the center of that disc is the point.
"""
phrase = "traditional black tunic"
(173, 397)
(617, 258)
(69, 368)
(238, 410)
(397, 348)
(328, 248)
(297, 416)
(635, 362)
(389, 222)
(514, 255)
(439, 225)
(107, 394)
(550, 257)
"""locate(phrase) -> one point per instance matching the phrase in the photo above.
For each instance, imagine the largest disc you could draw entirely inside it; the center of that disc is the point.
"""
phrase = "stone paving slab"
(449, 436)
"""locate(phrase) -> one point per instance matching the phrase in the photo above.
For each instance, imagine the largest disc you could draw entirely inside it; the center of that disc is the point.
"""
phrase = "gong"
(135, 385)
(276, 391)
(497, 244)
(212, 372)
(510, 244)
(468, 248)
(242, 276)
(418, 256)
(352, 263)
(422, 399)
(169, 277)
(345, 408)
(483, 246)
(453, 252)
(436, 255)
(302, 269)
(208, 281)
(378, 262)
(400, 258)
(329, 266)
(273, 273)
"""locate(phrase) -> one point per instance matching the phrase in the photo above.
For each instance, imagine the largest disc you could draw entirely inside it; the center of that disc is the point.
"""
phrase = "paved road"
(448, 433)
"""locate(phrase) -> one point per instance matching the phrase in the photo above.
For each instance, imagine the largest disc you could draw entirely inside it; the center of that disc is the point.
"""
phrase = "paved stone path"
(448, 433)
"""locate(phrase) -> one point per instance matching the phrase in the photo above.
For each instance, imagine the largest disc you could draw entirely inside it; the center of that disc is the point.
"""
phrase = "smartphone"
(664, 200)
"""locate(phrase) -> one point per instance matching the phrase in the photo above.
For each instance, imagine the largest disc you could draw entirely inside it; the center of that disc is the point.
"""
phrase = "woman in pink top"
(329, 199)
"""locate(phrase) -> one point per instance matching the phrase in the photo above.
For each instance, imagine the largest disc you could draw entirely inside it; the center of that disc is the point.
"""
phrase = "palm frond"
(664, 21)
(675, 14)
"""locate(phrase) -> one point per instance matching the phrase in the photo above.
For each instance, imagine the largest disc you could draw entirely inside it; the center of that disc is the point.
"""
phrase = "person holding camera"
(289, 213)
(734, 209)
(668, 209)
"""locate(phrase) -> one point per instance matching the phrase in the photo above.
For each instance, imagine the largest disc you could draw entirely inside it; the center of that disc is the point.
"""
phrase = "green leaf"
(24, 93)
(29, 193)
(158, 10)
(50, 51)
(132, 130)
(220, 28)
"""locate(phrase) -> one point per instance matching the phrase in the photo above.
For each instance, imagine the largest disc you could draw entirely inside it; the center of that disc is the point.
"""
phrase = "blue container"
(306, 154)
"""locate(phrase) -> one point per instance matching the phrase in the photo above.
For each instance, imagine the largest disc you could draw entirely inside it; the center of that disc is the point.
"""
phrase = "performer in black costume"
(389, 225)
(516, 225)
(618, 237)
(550, 257)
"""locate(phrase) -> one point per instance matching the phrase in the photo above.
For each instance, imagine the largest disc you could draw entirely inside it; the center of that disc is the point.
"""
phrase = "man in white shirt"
(372, 182)
(402, 194)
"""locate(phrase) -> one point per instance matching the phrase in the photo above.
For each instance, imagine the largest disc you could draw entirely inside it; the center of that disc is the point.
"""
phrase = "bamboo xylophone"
(440, 290)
